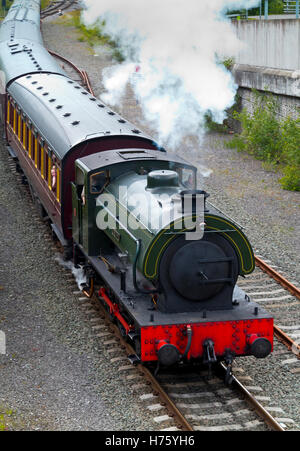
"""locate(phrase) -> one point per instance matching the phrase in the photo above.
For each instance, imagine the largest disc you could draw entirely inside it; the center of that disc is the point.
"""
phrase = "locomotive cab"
(135, 201)
(87, 186)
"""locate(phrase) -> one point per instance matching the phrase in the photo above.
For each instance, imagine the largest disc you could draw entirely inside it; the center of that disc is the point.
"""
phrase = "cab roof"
(111, 157)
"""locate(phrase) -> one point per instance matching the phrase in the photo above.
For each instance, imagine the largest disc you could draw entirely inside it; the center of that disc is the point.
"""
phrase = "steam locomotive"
(166, 262)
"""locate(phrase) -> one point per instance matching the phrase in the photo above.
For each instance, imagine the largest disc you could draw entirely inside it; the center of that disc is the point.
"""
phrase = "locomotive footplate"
(246, 329)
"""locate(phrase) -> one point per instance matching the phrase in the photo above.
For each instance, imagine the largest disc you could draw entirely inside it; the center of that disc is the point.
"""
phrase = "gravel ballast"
(55, 374)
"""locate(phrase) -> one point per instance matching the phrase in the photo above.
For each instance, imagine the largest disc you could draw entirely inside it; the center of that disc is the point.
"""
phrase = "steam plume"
(177, 46)
(77, 272)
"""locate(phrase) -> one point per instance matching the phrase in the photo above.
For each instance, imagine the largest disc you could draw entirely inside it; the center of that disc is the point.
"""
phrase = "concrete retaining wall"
(270, 43)
(283, 84)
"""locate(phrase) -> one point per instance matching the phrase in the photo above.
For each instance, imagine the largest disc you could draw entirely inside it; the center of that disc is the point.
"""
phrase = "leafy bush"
(45, 3)
(261, 133)
(275, 7)
(95, 35)
(267, 138)
(291, 154)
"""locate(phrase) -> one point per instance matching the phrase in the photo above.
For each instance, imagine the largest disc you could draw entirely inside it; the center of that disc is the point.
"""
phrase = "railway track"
(72, 70)
(189, 400)
(268, 287)
(289, 341)
(243, 406)
(57, 6)
(185, 401)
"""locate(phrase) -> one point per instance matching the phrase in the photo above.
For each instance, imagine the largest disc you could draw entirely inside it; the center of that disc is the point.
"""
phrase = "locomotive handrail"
(135, 217)
(228, 217)
(138, 248)
(206, 231)
(99, 203)
(189, 342)
(137, 253)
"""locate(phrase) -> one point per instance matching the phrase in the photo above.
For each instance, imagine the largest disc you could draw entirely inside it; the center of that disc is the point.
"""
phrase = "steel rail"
(171, 407)
(278, 277)
(82, 73)
(260, 410)
(54, 8)
(277, 331)
(167, 401)
(65, 60)
(287, 341)
(174, 412)
(51, 8)
(88, 82)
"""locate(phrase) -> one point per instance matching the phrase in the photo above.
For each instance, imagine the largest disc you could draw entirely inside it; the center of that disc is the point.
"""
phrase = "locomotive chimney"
(192, 196)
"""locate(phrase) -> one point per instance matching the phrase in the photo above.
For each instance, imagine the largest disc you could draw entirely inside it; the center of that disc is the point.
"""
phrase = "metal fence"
(290, 7)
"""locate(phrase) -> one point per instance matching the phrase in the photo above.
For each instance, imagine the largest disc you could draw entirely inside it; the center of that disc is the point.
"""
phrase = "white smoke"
(173, 51)
(78, 272)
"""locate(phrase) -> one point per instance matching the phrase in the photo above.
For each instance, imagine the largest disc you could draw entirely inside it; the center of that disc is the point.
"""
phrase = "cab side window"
(98, 181)
(188, 178)
(80, 185)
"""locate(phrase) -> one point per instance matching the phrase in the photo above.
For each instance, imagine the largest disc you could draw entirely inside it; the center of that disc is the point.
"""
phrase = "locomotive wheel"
(37, 204)
(121, 329)
(111, 317)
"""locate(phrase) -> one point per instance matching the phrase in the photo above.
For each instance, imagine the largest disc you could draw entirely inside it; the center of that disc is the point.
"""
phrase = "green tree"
(275, 7)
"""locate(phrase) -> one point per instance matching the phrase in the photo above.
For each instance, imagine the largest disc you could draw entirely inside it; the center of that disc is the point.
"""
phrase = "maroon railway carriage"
(50, 122)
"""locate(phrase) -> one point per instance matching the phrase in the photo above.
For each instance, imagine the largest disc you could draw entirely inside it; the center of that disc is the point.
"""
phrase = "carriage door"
(78, 202)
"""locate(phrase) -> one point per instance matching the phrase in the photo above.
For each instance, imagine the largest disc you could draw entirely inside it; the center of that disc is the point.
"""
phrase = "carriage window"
(98, 181)
(42, 164)
(53, 177)
(29, 142)
(46, 164)
(80, 185)
(36, 153)
(9, 113)
(54, 181)
(24, 136)
(49, 165)
(58, 184)
(27, 137)
(39, 158)
(19, 126)
(34, 147)
(15, 121)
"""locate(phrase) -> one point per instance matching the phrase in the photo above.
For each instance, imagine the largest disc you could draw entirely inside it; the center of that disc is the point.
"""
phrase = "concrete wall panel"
(270, 43)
